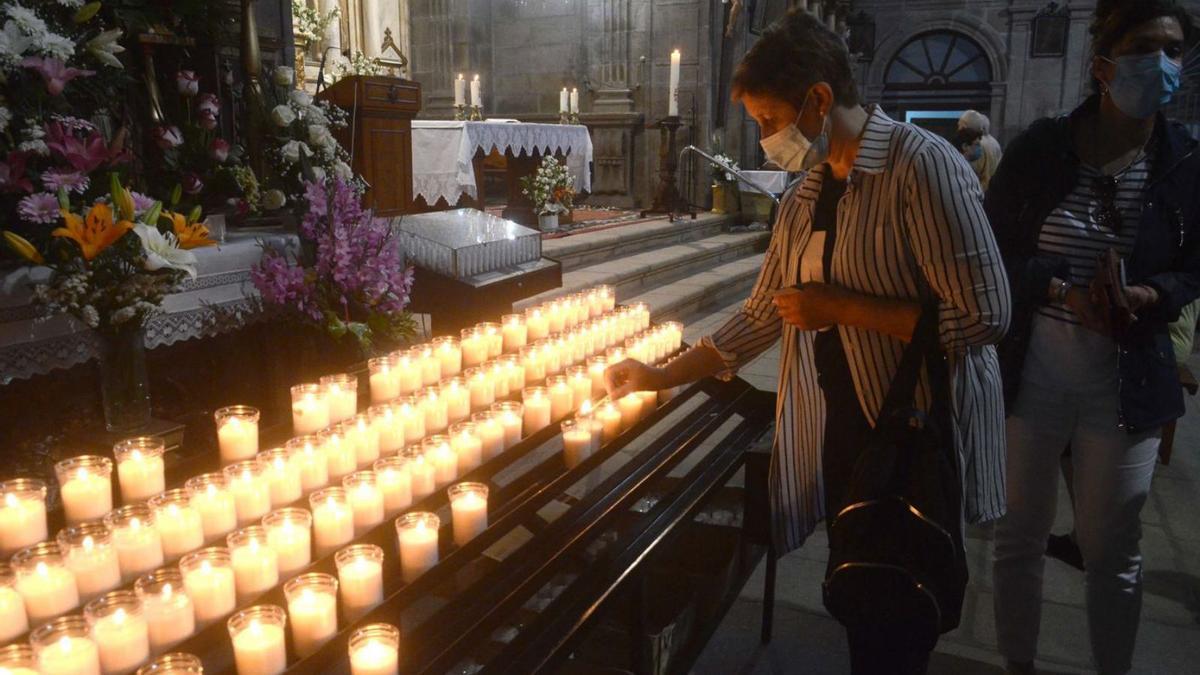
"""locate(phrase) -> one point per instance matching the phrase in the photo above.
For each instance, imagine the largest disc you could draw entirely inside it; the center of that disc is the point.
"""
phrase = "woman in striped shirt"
(886, 212)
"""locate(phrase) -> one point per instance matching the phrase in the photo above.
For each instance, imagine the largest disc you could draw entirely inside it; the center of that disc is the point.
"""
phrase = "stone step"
(630, 275)
(590, 248)
(704, 292)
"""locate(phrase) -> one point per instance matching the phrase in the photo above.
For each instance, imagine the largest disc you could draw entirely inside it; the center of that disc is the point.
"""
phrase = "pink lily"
(86, 155)
(54, 72)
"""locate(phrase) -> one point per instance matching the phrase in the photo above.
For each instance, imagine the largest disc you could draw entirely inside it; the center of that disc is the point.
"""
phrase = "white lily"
(105, 47)
(162, 251)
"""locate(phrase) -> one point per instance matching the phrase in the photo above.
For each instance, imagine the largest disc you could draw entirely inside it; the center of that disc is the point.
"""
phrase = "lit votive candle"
(170, 617)
(537, 409)
(511, 416)
(22, 514)
(136, 539)
(90, 555)
(641, 313)
(411, 412)
(607, 298)
(259, 642)
(65, 647)
(468, 503)
(13, 620)
(514, 332)
(119, 629)
(309, 456)
(467, 446)
(481, 387)
(449, 354)
(493, 334)
(255, 562)
(556, 314)
(283, 476)
(289, 532)
(209, 581)
(533, 362)
(610, 416)
(213, 500)
(333, 520)
(421, 472)
(44, 582)
(384, 381)
(457, 398)
(431, 366)
(363, 435)
(474, 347)
(340, 455)
(596, 367)
(551, 357)
(179, 524)
(564, 350)
(581, 385)
(408, 371)
(237, 432)
(375, 650)
(18, 659)
(577, 442)
(588, 420)
(312, 606)
(631, 409)
(437, 415)
(441, 455)
(251, 490)
(360, 578)
(366, 500)
(395, 482)
(418, 535)
(498, 372)
(310, 410)
(86, 487)
(649, 402)
(515, 370)
(177, 663)
(341, 392)
(537, 324)
(561, 395)
(490, 433)
(389, 428)
(140, 469)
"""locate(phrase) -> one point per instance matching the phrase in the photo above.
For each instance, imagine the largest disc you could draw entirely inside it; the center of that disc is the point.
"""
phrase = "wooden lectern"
(379, 137)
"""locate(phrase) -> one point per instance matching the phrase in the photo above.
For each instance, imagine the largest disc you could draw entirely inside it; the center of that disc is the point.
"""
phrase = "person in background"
(1088, 362)
(977, 144)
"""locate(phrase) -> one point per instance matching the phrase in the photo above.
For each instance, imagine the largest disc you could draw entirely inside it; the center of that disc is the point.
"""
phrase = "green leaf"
(153, 214)
(194, 215)
(176, 194)
(87, 12)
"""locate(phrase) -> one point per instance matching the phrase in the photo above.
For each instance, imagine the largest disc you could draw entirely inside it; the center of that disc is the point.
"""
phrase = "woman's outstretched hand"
(629, 376)
(812, 306)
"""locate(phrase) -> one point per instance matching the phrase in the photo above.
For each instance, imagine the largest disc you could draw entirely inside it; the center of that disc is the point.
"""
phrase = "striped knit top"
(913, 209)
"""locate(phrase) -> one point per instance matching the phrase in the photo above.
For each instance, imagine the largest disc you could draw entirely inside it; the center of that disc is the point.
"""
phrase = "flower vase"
(720, 198)
(124, 385)
(548, 222)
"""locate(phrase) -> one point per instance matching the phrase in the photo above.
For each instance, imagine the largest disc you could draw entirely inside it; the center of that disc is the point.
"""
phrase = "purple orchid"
(40, 207)
(54, 72)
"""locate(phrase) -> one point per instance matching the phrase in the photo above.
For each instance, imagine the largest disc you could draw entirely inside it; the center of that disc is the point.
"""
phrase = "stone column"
(372, 27)
(333, 32)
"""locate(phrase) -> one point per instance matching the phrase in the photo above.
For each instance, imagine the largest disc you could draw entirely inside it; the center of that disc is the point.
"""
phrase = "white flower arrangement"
(361, 64)
(309, 22)
(720, 175)
(550, 188)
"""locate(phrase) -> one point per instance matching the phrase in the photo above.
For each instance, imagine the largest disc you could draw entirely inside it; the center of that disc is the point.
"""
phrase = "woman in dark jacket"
(1085, 365)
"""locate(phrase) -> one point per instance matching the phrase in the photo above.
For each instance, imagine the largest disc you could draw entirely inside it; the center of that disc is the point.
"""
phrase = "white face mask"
(792, 150)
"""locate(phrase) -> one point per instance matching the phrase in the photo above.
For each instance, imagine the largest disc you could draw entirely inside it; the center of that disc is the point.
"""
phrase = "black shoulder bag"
(897, 559)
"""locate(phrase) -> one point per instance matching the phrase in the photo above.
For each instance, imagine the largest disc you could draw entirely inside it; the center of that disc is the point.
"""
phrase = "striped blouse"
(912, 208)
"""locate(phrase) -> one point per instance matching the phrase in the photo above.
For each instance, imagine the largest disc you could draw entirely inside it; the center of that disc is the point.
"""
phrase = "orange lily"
(190, 235)
(94, 233)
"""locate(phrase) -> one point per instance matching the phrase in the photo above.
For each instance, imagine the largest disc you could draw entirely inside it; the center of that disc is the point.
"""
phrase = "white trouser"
(1112, 473)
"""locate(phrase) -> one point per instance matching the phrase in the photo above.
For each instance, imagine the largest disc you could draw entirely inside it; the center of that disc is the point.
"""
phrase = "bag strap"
(923, 349)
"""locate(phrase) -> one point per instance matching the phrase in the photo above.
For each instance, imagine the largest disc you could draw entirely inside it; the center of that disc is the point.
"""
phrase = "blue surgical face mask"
(974, 153)
(1144, 83)
(791, 150)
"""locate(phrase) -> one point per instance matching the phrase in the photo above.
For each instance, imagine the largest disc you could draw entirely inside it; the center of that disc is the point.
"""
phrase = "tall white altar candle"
(563, 101)
(309, 456)
(170, 617)
(255, 563)
(312, 607)
(511, 415)
(119, 629)
(22, 514)
(44, 582)
(514, 332)
(86, 487)
(468, 504)
(65, 647)
(13, 620)
(333, 520)
(140, 468)
(289, 532)
(360, 578)
(395, 482)
(575, 100)
(375, 650)
(214, 502)
(537, 409)
(310, 410)
(476, 96)
(209, 581)
(259, 644)
(421, 471)
(490, 433)
(441, 455)
(460, 90)
(283, 476)
(418, 535)
(366, 500)
(467, 445)
(90, 555)
(383, 380)
(136, 539)
(237, 432)
(251, 490)
(341, 392)
(179, 524)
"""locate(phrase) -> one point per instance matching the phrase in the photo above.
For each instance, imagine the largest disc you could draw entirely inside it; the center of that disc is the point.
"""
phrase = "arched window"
(941, 59)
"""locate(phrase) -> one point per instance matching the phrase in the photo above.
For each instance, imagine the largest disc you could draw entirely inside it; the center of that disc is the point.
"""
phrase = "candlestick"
(259, 646)
(395, 482)
(408, 371)
(514, 332)
(457, 398)
(65, 647)
(333, 520)
(89, 553)
(44, 582)
(468, 503)
(214, 502)
(341, 393)
(289, 532)
(177, 663)
(22, 514)
(140, 471)
(120, 631)
(136, 539)
(431, 365)
(309, 456)
(474, 347)
(418, 535)
(421, 471)
(577, 442)
(537, 409)
(170, 617)
(85, 486)
(384, 381)
(490, 433)
(360, 578)
(251, 490)
(341, 457)
(481, 388)
(13, 620)
(282, 475)
(310, 410)
(460, 90)
(441, 455)
(255, 563)
(179, 524)
(437, 415)
(610, 416)
(312, 605)
(237, 432)
(366, 500)
(209, 581)
(375, 650)
(512, 418)
(476, 97)
(364, 437)
(19, 659)
(449, 354)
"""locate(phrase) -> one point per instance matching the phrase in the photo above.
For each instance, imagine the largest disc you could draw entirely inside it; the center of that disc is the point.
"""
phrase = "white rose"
(283, 115)
(320, 137)
(300, 98)
(274, 199)
(319, 173)
(292, 149)
(343, 170)
(283, 76)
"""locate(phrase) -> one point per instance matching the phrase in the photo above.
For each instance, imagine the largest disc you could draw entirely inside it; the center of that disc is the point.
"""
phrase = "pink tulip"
(219, 149)
(187, 82)
(191, 183)
(167, 137)
(207, 102)
(207, 120)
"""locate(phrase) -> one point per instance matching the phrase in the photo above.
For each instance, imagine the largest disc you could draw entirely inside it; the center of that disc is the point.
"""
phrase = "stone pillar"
(609, 57)
(372, 27)
(333, 32)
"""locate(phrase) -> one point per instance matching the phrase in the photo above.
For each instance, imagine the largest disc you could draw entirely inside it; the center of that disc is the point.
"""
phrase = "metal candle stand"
(667, 199)
(476, 114)
(460, 113)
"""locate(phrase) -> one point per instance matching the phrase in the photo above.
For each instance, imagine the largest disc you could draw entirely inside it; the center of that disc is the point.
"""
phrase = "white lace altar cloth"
(220, 299)
(444, 152)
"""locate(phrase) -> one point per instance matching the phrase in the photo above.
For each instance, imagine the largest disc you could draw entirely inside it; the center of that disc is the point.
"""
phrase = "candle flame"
(10, 500)
(64, 643)
(585, 408)
(119, 615)
(460, 76)
(88, 543)
(476, 77)
(247, 476)
(136, 455)
(135, 523)
(167, 590)
(41, 569)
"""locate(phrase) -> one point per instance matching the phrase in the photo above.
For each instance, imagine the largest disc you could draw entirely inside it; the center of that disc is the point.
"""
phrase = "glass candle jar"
(237, 432)
(498, 373)
(383, 379)
(282, 475)
(175, 663)
(251, 490)
(596, 366)
(437, 413)
(457, 396)
(422, 473)
(480, 387)
(610, 418)
(137, 541)
(449, 355)
(333, 520)
(440, 453)
(580, 382)
(490, 433)
(18, 659)
(213, 500)
(13, 620)
(408, 371)
(514, 335)
(140, 469)
(44, 581)
(312, 606)
(22, 514)
(310, 410)
(467, 446)
(493, 335)
(537, 324)
(431, 366)
(289, 532)
(533, 363)
(309, 456)
(65, 647)
(259, 642)
(512, 419)
(90, 555)
(366, 500)
(180, 527)
(170, 617)
(341, 394)
(388, 426)
(577, 442)
(537, 413)
(119, 629)
(551, 357)
(562, 397)
(469, 506)
(85, 484)
(395, 483)
(474, 347)
(418, 536)
(209, 581)
(375, 650)
(340, 457)
(360, 578)
(364, 438)
(255, 563)
(515, 369)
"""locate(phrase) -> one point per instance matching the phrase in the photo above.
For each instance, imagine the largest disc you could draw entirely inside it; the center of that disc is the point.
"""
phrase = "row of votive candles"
(166, 606)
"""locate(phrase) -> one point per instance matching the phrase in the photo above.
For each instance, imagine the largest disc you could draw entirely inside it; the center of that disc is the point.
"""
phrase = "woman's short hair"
(1114, 19)
(793, 54)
